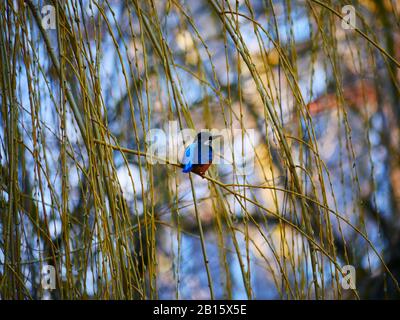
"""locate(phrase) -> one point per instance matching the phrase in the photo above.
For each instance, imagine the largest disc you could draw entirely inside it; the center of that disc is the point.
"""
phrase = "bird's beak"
(213, 138)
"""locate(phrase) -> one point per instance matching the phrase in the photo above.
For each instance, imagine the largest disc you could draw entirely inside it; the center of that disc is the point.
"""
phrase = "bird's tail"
(187, 167)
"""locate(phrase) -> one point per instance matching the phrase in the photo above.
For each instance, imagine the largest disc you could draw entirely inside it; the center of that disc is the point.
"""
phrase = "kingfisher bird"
(199, 154)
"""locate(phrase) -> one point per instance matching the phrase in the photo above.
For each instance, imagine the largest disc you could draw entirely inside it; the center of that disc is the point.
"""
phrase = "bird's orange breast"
(200, 169)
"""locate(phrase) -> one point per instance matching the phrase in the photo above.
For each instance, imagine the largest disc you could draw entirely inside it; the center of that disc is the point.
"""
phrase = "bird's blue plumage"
(187, 160)
(195, 154)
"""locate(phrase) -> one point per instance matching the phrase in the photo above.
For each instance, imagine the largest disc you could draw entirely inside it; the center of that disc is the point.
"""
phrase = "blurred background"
(83, 82)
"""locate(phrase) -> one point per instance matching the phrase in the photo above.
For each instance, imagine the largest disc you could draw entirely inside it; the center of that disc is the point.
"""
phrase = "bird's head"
(206, 137)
